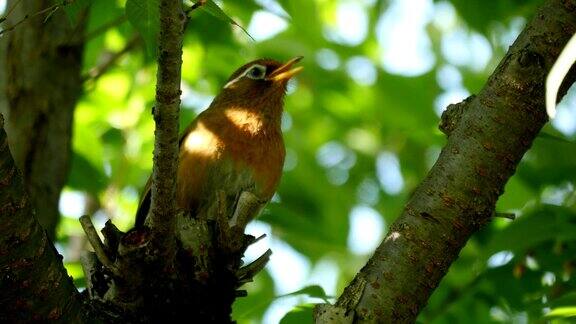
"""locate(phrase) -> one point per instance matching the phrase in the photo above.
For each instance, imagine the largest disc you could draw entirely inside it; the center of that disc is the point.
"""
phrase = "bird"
(234, 145)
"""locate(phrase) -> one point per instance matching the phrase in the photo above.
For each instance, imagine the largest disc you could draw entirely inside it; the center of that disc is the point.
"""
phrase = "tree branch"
(163, 208)
(458, 196)
(33, 281)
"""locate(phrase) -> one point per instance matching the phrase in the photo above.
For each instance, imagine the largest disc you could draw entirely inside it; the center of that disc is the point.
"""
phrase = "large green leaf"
(144, 15)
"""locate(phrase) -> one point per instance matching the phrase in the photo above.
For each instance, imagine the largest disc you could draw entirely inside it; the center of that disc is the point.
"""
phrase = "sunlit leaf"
(564, 312)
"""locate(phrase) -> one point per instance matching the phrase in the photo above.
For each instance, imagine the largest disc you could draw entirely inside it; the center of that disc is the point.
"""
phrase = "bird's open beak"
(285, 72)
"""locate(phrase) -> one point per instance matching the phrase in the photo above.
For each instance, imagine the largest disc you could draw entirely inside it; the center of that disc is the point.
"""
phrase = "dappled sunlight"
(194, 99)
(499, 259)
(338, 160)
(367, 229)
(452, 96)
(351, 23)
(72, 204)
(265, 25)
(389, 173)
(362, 70)
(368, 192)
(327, 59)
(402, 36)
(462, 48)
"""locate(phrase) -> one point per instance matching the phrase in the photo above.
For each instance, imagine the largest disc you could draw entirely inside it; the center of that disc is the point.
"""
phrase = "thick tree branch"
(485, 144)
(34, 284)
(163, 209)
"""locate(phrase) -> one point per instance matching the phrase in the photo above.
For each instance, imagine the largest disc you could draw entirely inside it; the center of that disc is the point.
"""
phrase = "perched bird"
(236, 144)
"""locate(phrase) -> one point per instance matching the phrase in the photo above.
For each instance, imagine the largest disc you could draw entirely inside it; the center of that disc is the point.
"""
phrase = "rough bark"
(487, 136)
(34, 284)
(166, 114)
(40, 83)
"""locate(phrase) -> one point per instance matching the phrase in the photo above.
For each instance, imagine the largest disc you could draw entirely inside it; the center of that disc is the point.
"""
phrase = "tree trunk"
(40, 82)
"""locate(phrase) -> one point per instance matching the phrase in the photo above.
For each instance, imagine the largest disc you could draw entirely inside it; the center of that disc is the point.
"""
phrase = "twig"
(97, 245)
(52, 9)
(97, 71)
(247, 273)
(258, 239)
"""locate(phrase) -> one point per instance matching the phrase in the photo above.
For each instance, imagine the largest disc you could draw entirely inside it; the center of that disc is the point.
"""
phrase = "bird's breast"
(223, 156)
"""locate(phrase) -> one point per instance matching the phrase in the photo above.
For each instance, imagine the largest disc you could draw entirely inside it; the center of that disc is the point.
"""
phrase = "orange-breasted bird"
(236, 144)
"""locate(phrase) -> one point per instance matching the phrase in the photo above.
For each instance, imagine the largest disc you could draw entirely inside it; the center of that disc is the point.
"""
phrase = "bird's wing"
(144, 205)
(145, 202)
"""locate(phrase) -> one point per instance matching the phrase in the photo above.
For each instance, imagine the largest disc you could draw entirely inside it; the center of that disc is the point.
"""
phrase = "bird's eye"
(256, 72)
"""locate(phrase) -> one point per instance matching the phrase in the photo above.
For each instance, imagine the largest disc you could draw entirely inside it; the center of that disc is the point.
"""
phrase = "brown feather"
(234, 145)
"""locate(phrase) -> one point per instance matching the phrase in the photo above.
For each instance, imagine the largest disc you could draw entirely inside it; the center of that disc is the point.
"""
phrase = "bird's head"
(260, 84)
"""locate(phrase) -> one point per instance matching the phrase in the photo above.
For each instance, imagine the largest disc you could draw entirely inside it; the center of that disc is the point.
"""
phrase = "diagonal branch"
(492, 132)
(163, 210)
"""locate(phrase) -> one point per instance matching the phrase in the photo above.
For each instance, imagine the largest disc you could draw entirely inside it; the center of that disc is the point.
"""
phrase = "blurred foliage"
(358, 132)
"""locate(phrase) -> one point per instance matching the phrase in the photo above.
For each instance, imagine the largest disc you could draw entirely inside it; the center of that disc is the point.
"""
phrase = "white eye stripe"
(260, 69)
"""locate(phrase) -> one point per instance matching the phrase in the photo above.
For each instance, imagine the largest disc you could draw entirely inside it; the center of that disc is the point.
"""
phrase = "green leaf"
(144, 15)
(213, 9)
(562, 312)
(314, 291)
(300, 314)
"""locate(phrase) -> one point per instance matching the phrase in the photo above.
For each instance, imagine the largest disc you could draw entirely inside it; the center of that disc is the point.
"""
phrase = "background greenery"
(361, 133)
